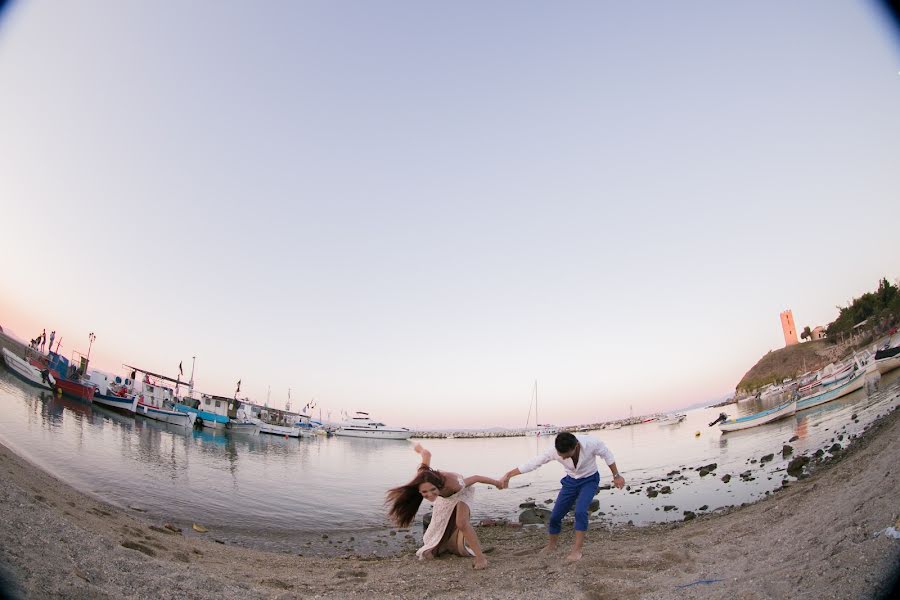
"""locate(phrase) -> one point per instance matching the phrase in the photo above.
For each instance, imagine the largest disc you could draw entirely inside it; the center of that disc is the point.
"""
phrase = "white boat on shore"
(115, 394)
(761, 418)
(27, 372)
(888, 357)
(542, 430)
(362, 426)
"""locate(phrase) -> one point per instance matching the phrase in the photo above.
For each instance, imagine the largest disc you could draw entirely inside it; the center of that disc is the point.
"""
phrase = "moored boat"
(833, 392)
(115, 394)
(21, 368)
(157, 401)
(673, 419)
(542, 430)
(69, 378)
(888, 357)
(761, 418)
(364, 427)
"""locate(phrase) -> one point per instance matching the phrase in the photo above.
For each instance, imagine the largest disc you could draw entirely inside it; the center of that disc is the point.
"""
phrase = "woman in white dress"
(452, 496)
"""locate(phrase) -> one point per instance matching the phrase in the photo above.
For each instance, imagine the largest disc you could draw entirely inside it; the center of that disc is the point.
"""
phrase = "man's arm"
(618, 480)
(531, 465)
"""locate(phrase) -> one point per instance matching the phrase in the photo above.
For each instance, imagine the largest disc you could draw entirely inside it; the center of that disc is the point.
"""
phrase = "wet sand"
(815, 538)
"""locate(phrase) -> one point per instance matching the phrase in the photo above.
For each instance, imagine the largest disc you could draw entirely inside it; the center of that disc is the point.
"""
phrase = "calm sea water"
(264, 488)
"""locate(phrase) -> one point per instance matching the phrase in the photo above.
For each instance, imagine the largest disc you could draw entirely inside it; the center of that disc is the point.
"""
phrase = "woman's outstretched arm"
(426, 455)
(482, 479)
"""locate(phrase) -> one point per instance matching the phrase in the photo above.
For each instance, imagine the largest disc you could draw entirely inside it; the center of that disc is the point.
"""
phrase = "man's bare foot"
(574, 555)
(480, 563)
(548, 549)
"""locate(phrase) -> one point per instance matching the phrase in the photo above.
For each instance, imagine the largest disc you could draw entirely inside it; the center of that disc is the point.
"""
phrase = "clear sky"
(418, 209)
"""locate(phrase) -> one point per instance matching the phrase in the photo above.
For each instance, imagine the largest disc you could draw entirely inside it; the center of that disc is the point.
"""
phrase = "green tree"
(807, 334)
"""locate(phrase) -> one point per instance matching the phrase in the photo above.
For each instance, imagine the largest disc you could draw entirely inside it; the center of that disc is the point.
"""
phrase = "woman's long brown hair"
(404, 500)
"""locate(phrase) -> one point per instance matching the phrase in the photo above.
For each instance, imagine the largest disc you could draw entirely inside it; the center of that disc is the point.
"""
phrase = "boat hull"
(281, 430)
(25, 371)
(166, 416)
(207, 419)
(851, 385)
(125, 403)
(885, 365)
(374, 434)
(761, 418)
(76, 390)
(243, 428)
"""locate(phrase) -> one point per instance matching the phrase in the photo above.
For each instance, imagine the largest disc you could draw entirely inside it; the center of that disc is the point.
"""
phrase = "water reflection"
(263, 483)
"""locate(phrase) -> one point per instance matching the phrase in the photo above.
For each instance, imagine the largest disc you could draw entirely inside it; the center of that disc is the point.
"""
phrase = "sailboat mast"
(537, 422)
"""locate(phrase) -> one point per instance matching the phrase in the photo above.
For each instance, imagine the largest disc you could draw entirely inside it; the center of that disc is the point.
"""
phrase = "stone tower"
(787, 326)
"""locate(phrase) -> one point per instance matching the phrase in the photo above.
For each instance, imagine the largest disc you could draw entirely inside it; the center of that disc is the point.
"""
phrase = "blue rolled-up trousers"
(579, 492)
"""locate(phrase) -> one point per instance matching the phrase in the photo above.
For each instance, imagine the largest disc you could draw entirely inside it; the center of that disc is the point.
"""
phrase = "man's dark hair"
(565, 442)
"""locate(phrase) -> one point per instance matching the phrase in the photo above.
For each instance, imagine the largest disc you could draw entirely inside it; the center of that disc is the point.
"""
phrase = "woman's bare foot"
(574, 555)
(480, 563)
(428, 555)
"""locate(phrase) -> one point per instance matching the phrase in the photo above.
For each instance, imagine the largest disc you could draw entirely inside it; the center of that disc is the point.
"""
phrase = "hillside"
(787, 362)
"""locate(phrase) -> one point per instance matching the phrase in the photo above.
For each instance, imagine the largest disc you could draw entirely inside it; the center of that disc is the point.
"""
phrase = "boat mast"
(537, 422)
(191, 384)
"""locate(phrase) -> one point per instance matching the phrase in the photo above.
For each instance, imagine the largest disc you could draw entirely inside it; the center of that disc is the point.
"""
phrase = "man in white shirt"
(577, 454)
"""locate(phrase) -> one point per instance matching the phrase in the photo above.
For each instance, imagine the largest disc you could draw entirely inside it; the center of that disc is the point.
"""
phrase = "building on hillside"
(788, 327)
(818, 333)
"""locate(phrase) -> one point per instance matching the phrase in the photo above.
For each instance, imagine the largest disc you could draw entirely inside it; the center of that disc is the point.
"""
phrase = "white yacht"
(363, 426)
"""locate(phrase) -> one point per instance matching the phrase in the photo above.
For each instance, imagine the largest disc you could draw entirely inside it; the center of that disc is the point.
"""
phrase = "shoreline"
(815, 538)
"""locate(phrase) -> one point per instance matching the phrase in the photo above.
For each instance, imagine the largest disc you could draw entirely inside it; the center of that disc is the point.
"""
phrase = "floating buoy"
(697, 434)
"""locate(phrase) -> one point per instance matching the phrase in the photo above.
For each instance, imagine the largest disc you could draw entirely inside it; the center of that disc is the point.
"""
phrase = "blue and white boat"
(833, 392)
(212, 412)
(761, 418)
(118, 393)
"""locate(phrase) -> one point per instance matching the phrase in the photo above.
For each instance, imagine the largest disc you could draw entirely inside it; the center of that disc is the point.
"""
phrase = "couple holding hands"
(452, 496)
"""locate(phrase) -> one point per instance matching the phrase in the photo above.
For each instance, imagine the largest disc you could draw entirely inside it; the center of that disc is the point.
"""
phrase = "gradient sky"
(418, 209)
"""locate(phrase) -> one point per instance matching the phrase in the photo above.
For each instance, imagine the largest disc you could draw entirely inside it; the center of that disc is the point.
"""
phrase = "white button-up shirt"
(591, 448)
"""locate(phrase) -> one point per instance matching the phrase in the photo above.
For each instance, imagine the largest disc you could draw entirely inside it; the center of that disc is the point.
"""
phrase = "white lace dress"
(440, 517)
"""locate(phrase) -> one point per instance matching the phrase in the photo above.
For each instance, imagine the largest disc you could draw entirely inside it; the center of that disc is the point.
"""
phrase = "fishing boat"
(21, 368)
(362, 426)
(761, 418)
(69, 378)
(117, 394)
(833, 392)
(539, 429)
(157, 401)
(672, 419)
(888, 357)
(212, 412)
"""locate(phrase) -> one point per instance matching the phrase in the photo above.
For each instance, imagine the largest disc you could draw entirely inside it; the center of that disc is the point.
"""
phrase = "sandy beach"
(815, 538)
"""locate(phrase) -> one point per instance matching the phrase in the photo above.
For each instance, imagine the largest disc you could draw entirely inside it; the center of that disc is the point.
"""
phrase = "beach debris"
(172, 528)
(199, 528)
(794, 438)
(890, 532)
(795, 467)
(698, 582)
(697, 434)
